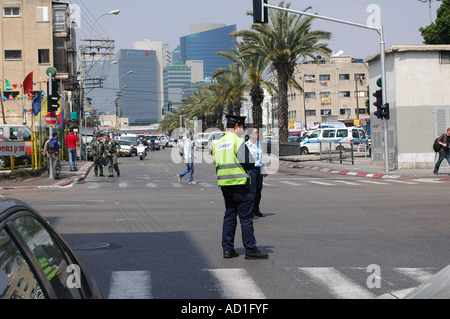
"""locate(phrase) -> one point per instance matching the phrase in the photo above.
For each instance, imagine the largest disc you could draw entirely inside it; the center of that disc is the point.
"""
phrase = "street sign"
(50, 118)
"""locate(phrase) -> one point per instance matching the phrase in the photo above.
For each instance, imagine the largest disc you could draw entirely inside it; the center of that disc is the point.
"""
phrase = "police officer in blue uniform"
(233, 161)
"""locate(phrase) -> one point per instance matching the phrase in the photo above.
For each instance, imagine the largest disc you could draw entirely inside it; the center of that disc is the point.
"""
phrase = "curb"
(81, 177)
(361, 174)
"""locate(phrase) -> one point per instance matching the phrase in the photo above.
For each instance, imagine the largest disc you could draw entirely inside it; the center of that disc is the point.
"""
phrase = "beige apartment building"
(35, 35)
(334, 90)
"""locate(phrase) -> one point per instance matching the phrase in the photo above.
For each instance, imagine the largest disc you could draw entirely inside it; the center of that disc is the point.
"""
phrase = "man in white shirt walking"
(189, 156)
(256, 173)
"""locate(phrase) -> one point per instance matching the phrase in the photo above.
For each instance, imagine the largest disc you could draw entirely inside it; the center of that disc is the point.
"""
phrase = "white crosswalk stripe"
(321, 183)
(237, 283)
(130, 285)
(338, 284)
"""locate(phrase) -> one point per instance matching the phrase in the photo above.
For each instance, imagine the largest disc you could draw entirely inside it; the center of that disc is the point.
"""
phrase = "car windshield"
(121, 142)
(202, 136)
(217, 136)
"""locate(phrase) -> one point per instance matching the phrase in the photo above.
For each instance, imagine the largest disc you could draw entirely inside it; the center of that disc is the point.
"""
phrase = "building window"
(310, 112)
(310, 95)
(325, 112)
(11, 12)
(361, 111)
(361, 94)
(344, 76)
(42, 14)
(43, 56)
(444, 57)
(346, 111)
(324, 77)
(13, 54)
(360, 76)
(344, 94)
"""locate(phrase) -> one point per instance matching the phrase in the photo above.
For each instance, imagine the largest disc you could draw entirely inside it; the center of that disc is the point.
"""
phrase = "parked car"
(126, 149)
(201, 141)
(213, 138)
(35, 262)
(355, 135)
(133, 141)
(155, 138)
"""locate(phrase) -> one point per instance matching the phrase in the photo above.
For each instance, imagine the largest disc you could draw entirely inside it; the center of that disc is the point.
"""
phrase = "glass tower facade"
(176, 78)
(204, 46)
(139, 96)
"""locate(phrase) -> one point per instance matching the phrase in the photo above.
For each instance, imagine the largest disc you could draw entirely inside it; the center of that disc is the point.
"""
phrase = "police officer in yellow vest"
(233, 162)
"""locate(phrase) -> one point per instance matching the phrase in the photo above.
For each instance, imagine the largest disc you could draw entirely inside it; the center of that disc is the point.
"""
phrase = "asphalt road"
(146, 235)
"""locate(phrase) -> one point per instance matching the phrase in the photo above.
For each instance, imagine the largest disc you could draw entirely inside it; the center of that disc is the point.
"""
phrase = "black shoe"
(118, 174)
(257, 255)
(259, 214)
(230, 254)
(101, 175)
(96, 175)
(110, 175)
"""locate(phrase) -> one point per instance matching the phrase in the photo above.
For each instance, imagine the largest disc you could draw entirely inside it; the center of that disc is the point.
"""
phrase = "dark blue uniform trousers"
(256, 188)
(238, 202)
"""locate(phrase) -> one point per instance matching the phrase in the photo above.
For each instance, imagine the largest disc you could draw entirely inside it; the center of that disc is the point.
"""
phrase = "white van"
(311, 143)
(16, 132)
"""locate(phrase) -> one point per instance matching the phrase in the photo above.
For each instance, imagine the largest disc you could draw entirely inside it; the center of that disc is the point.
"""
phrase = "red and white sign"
(12, 148)
(50, 118)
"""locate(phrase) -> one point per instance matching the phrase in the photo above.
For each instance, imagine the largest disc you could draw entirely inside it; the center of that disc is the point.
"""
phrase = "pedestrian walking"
(256, 174)
(188, 154)
(112, 148)
(72, 148)
(233, 162)
(444, 142)
(98, 150)
(54, 150)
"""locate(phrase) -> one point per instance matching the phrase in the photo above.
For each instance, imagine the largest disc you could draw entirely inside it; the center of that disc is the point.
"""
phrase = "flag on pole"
(28, 84)
(37, 105)
(8, 85)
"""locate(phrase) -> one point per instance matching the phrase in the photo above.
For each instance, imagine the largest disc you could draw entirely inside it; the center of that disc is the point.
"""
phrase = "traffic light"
(260, 12)
(378, 103)
(385, 111)
(52, 101)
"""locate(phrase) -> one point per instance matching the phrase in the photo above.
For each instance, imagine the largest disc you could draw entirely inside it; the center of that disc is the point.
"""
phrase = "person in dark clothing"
(444, 141)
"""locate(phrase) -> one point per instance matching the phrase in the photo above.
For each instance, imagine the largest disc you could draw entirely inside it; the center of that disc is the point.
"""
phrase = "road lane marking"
(235, 283)
(418, 274)
(371, 182)
(321, 183)
(347, 182)
(130, 285)
(338, 284)
(290, 183)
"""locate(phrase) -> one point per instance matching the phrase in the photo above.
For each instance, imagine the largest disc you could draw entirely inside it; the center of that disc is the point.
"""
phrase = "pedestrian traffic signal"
(378, 102)
(260, 12)
(385, 111)
(53, 98)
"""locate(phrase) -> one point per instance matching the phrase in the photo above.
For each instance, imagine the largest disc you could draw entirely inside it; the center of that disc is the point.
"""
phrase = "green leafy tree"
(439, 31)
(285, 40)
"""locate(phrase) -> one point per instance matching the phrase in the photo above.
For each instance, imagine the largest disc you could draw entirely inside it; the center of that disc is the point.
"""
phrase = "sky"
(168, 20)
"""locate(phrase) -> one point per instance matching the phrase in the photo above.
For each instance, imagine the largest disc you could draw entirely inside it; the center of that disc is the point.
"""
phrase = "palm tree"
(255, 68)
(285, 40)
(234, 85)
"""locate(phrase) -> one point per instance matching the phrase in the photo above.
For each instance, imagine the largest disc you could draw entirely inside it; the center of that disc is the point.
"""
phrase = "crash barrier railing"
(343, 152)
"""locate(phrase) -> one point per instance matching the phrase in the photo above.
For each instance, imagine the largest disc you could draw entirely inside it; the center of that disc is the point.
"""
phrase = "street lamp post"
(429, 6)
(83, 75)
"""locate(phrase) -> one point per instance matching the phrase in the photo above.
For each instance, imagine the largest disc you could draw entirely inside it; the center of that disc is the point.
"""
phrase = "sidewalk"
(66, 178)
(362, 168)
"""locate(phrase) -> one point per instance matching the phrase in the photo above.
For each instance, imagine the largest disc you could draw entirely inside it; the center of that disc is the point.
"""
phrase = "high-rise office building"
(204, 42)
(177, 77)
(139, 96)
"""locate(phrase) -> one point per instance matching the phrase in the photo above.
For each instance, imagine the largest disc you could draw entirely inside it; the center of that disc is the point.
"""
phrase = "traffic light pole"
(382, 59)
(50, 129)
